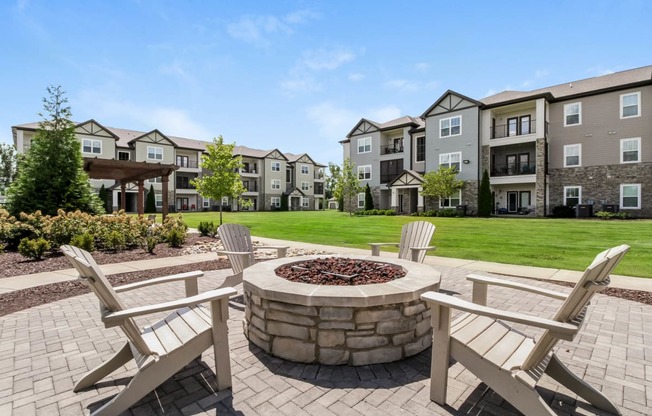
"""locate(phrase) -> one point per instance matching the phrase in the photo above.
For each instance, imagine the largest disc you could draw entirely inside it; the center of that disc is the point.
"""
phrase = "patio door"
(510, 160)
(182, 204)
(512, 201)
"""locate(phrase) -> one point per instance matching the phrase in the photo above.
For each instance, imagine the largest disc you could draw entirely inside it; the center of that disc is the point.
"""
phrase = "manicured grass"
(557, 243)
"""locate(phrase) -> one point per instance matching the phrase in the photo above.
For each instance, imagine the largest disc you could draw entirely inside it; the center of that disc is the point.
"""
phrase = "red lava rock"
(340, 271)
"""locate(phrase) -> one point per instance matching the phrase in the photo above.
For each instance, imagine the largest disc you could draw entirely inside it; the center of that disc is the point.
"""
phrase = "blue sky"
(297, 75)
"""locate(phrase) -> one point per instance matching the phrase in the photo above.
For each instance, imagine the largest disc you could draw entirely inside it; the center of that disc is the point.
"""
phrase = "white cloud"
(256, 30)
(324, 59)
(598, 71)
(332, 122)
(422, 66)
(300, 85)
(301, 16)
(401, 85)
(541, 73)
(175, 69)
(356, 77)
(384, 114)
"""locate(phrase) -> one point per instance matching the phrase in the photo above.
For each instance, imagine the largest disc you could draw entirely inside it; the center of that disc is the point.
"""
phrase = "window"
(305, 186)
(512, 126)
(630, 105)
(450, 126)
(225, 200)
(276, 184)
(159, 200)
(154, 153)
(123, 156)
(630, 150)
(364, 145)
(447, 160)
(421, 149)
(276, 202)
(304, 169)
(630, 196)
(206, 203)
(390, 169)
(276, 166)
(572, 155)
(92, 146)
(572, 195)
(182, 161)
(361, 200)
(364, 172)
(452, 201)
(304, 202)
(572, 114)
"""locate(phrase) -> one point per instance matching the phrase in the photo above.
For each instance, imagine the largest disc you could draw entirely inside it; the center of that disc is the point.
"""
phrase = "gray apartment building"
(586, 142)
(129, 162)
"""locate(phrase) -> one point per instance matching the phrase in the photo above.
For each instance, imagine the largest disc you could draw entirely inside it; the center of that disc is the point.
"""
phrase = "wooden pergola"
(125, 171)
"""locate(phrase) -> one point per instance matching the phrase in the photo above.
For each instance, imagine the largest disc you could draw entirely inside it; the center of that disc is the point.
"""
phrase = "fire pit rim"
(261, 280)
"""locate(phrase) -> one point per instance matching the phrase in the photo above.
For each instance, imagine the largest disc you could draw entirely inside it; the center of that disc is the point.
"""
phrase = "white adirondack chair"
(167, 346)
(507, 361)
(236, 240)
(415, 240)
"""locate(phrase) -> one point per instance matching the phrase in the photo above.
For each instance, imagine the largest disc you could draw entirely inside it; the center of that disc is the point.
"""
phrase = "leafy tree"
(484, 196)
(103, 195)
(368, 199)
(51, 175)
(347, 186)
(441, 183)
(331, 179)
(150, 202)
(7, 165)
(223, 179)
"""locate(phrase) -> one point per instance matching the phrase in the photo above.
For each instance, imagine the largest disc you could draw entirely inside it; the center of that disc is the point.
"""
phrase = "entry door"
(182, 204)
(511, 164)
(512, 201)
(400, 203)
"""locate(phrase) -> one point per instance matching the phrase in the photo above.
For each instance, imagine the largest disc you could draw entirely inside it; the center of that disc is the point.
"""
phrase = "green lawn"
(557, 243)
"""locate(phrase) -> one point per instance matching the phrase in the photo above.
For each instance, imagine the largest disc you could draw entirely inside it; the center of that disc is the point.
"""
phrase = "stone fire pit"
(355, 325)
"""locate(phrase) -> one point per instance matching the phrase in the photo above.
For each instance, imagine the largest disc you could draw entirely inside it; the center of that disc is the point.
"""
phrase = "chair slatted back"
(93, 277)
(415, 234)
(594, 279)
(236, 237)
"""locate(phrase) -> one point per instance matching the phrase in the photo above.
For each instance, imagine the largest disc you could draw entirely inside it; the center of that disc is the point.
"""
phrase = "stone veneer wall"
(338, 335)
(540, 185)
(602, 183)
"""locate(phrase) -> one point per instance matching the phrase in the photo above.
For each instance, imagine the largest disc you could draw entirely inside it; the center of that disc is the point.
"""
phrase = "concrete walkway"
(26, 281)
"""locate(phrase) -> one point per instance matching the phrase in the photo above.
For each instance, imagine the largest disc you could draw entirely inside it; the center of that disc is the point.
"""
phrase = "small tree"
(441, 183)
(102, 195)
(347, 186)
(368, 199)
(484, 196)
(284, 203)
(7, 166)
(224, 178)
(51, 175)
(150, 202)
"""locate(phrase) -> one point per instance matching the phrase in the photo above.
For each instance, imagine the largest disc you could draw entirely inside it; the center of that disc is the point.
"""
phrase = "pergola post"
(141, 197)
(123, 196)
(164, 210)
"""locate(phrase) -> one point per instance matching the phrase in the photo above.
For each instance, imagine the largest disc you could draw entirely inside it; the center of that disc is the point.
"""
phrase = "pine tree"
(102, 194)
(368, 199)
(150, 202)
(51, 175)
(484, 196)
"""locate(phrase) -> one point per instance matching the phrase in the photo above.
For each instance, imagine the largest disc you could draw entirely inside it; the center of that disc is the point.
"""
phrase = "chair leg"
(117, 360)
(557, 370)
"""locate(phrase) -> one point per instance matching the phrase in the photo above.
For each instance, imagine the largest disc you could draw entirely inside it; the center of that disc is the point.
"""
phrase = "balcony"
(513, 169)
(522, 128)
(389, 149)
(192, 164)
(319, 175)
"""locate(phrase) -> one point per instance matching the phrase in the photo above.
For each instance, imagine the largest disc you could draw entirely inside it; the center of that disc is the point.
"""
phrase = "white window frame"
(361, 200)
(450, 157)
(447, 123)
(579, 194)
(305, 170)
(206, 203)
(364, 172)
(276, 166)
(305, 186)
(636, 140)
(579, 114)
(442, 201)
(156, 151)
(638, 195)
(93, 145)
(276, 184)
(364, 145)
(567, 149)
(276, 202)
(225, 200)
(638, 104)
(158, 199)
(305, 202)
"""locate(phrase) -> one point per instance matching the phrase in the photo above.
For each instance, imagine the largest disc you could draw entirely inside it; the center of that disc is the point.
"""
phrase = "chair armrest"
(480, 284)
(560, 329)
(375, 247)
(281, 251)
(416, 251)
(159, 280)
(116, 318)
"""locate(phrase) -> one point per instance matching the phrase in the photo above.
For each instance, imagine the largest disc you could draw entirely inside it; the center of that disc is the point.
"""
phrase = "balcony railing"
(521, 128)
(188, 164)
(319, 175)
(185, 186)
(389, 149)
(512, 169)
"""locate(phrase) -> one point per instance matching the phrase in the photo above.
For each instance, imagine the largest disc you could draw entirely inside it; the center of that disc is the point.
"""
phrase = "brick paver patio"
(44, 350)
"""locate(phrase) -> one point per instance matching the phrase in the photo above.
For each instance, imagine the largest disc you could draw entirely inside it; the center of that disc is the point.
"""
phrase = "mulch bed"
(339, 271)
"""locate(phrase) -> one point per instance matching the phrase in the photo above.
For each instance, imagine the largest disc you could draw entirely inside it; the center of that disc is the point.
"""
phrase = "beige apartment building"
(585, 144)
(129, 163)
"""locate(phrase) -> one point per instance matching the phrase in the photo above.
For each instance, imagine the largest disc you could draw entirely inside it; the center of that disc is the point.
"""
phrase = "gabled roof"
(453, 106)
(92, 127)
(361, 122)
(407, 177)
(249, 152)
(157, 134)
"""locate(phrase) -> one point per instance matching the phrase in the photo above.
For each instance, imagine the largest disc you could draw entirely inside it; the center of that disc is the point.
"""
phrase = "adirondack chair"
(167, 346)
(507, 361)
(236, 240)
(415, 237)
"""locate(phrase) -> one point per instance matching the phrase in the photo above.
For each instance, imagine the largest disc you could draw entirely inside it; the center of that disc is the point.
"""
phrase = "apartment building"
(586, 143)
(129, 162)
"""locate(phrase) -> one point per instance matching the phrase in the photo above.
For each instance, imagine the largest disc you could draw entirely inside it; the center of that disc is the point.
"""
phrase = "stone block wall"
(338, 335)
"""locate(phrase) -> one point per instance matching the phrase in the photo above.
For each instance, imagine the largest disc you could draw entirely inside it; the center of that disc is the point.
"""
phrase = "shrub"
(33, 248)
(563, 211)
(176, 237)
(149, 244)
(390, 212)
(85, 241)
(447, 212)
(115, 241)
(207, 229)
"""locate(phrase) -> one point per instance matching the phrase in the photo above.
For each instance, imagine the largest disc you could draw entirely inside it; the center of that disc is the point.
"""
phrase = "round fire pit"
(338, 323)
